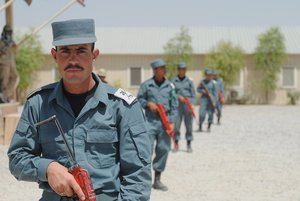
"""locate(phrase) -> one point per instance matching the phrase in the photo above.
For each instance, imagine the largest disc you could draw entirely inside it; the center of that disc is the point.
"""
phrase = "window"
(135, 76)
(288, 77)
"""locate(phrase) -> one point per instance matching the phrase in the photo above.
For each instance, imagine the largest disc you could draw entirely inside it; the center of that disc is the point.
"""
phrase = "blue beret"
(72, 32)
(158, 63)
(181, 65)
(214, 72)
(208, 71)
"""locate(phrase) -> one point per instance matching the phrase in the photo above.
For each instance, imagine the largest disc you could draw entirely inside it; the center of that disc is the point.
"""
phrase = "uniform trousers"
(161, 144)
(185, 114)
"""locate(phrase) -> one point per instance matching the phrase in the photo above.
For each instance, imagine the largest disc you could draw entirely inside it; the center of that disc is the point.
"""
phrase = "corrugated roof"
(150, 40)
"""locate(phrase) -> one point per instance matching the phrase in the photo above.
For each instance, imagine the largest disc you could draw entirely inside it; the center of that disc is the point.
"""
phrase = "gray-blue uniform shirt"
(185, 87)
(109, 140)
(165, 94)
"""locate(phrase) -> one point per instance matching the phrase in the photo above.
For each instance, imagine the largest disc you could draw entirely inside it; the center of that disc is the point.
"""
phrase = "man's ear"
(96, 53)
(53, 52)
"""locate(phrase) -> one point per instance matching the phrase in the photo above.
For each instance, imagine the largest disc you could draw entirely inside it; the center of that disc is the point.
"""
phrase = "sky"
(163, 12)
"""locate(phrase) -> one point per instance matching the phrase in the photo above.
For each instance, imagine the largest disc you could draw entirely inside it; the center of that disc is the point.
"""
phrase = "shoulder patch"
(125, 95)
(49, 86)
(172, 85)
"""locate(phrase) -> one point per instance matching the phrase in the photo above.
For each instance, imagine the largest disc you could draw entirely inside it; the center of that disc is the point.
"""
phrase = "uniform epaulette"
(47, 87)
(121, 93)
(190, 78)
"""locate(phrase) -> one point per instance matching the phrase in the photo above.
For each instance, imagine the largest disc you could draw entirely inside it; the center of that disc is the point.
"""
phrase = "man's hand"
(172, 127)
(62, 182)
(152, 106)
(181, 99)
(204, 91)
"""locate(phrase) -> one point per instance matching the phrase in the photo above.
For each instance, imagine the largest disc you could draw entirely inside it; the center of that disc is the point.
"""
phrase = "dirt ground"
(254, 155)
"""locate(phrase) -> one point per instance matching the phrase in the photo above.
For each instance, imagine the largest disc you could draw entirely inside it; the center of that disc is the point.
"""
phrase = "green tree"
(269, 56)
(228, 59)
(29, 58)
(178, 49)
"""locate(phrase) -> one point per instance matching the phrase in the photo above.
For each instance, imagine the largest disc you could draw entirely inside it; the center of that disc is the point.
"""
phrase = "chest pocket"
(52, 142)
(151, 94)
(101, 148)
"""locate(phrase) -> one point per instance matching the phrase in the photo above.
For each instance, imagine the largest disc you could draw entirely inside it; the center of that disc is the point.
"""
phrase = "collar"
(101, 94)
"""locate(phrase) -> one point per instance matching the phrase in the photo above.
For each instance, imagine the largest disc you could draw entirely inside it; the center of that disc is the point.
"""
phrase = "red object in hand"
(220, 97)
(83, 179)
(81, 175)
(189, 105)
(164, 119)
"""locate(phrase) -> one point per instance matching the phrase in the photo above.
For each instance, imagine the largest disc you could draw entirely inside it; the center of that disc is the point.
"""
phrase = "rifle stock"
(209, 97)
(221, 97)
(189, 105)
(165, 121)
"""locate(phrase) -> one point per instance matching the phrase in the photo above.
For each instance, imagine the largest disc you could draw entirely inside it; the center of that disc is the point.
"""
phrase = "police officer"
(208, 92)
(220, 91)
(184, 88)
(104, 126)
(9, 78)
(158, 90)
(102, 75)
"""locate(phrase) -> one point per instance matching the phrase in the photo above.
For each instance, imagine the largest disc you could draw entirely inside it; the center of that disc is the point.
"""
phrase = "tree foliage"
(269, 56)
(228, 59)
(178, 49)
(29, 58)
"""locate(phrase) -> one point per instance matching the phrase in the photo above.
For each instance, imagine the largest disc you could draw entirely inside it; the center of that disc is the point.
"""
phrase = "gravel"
(254, 155)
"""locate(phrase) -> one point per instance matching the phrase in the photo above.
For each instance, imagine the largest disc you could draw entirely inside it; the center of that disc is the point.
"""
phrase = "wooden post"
(9, 15)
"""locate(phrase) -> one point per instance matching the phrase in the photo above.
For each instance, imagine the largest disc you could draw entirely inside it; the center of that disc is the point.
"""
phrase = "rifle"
(221, 97)
(211, 99)
(189, 105)
(165, 121)
(80, 175)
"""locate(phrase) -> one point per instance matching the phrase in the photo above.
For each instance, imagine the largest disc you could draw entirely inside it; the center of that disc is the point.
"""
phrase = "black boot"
(208, 127)
(158, 184)
(200, 127)
(189, 147)
(219, 120)
(176, 146)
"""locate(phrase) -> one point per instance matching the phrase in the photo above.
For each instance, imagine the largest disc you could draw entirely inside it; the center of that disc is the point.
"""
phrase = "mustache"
(73, 66)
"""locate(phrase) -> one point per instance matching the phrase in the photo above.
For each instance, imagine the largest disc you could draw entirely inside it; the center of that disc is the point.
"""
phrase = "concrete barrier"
(7, 109)
(10, 123)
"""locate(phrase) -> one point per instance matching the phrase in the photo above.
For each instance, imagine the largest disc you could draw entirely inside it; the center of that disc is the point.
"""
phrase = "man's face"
(75, 62)
(102, 78)
(160, 71)
(208, 76)
(181, 72)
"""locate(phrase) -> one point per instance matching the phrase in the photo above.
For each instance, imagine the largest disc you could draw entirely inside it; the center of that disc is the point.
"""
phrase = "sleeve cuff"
(42, 168)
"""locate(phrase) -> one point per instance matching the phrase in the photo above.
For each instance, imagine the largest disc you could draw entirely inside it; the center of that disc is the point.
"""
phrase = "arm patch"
(125, 95)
